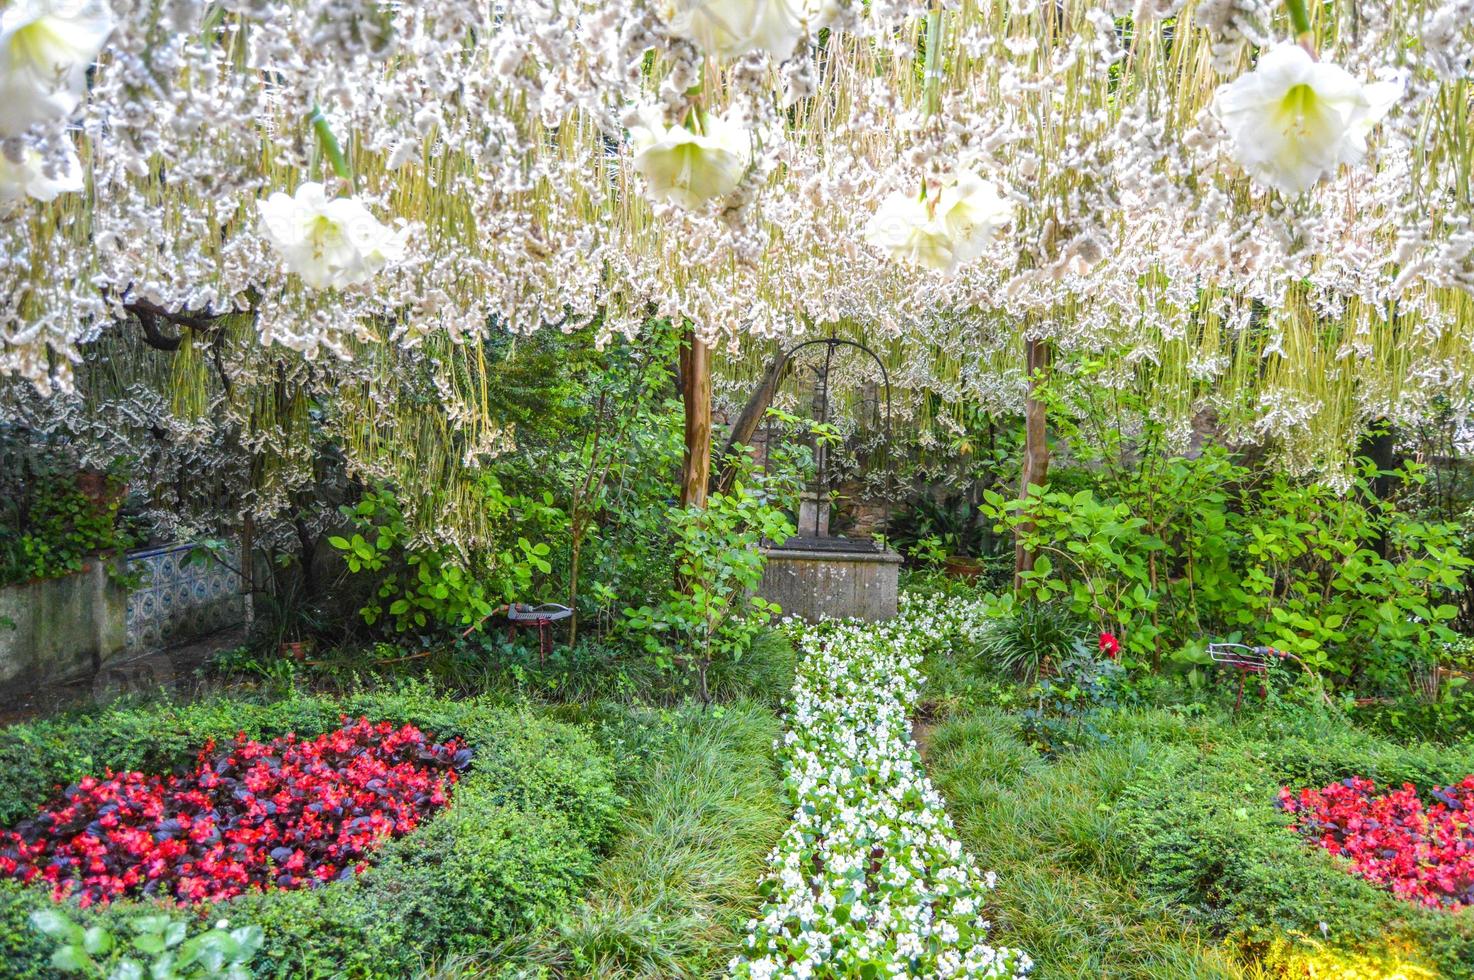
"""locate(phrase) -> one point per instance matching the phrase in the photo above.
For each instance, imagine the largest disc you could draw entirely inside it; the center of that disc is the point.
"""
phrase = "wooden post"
(1035, 470)
(696, 395)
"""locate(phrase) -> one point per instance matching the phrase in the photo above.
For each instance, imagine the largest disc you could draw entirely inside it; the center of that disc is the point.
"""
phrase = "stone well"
(819, 577)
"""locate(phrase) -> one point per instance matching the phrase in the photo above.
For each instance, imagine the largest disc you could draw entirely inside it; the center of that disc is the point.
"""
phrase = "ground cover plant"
(287, 813)
(868, 880)
(1419, 852)
(675, 894)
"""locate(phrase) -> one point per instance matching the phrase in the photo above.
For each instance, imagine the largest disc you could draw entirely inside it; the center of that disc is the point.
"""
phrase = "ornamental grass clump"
(1422, 853)
(868, 880)
(256, 816)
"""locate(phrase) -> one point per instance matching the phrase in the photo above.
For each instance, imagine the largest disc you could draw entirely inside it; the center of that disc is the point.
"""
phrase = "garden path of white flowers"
(869, 879)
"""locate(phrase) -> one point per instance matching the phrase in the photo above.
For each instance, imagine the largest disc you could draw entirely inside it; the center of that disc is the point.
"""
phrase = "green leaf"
(70, 959)
(127, 969)
(51, 923)
(97, 940)
(339, 542)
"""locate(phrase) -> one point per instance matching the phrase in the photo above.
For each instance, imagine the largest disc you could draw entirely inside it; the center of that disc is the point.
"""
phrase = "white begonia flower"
(732, 28)
(689, 168)
(328, 242)
(947, 230)
(27, 177)
(1294, 120)
(46, 47)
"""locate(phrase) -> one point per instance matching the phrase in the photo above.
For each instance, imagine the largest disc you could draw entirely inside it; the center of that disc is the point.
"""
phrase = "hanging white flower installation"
(686, 167)
(944, 230)
(46, 47)
(33, 177)
(1294, 120)
(769, 145)
(329, 242)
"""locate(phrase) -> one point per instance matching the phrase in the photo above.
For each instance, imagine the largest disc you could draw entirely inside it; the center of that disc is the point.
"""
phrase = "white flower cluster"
(868, 880)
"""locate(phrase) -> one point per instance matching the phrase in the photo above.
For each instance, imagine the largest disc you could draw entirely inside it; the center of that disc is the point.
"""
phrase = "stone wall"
(63, 627)
(811, 585)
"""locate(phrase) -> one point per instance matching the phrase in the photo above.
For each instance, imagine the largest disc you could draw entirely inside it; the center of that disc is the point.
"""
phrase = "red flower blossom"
(1109, 645)
(1421, 853)
(285, 814)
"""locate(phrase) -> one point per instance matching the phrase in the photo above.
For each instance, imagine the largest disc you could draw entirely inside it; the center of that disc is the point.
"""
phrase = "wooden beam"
(1035, 471)
(696, 395)
(747, 423)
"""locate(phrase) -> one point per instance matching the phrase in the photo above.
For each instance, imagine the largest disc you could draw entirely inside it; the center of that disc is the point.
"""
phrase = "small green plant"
(711, 612)
(1028, 637)
(1062, 718)
(159, 948)
(929, 552)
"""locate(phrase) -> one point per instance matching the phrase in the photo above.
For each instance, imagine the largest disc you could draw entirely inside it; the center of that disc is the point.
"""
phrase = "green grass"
(1065, 881)
(674, 896)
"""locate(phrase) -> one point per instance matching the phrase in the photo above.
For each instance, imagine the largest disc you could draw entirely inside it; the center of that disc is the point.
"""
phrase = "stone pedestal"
(814, 584)
(813, 515)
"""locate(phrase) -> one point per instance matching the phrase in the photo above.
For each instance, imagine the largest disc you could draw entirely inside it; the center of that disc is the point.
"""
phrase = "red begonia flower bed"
(1421, 853)
(290, 813)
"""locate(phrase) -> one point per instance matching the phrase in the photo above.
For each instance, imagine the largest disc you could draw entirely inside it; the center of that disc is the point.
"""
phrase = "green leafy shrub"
(418, 587)
(524, 830)
(713, 613)
(1176, 549)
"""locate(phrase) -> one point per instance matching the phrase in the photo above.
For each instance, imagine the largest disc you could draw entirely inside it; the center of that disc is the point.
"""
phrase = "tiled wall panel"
(177, 600)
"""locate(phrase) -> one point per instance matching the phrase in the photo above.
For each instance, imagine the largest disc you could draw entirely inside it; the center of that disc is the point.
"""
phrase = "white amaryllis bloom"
(46, 47)
(1294, 120)
(944, 231)
(906, 229)
(28, 177)
(689, 168)
(328, 242)
(972, 210)
(731, 28)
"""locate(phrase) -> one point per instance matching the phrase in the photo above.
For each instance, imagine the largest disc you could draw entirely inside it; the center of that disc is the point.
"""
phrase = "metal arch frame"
(830, 343)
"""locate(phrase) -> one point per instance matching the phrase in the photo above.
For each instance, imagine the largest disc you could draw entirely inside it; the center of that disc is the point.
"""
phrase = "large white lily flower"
(731, 28)
(27, 177)
(1293, 119)
(906, 229)
(328, 242)
(689, 168)
(972, 210)
(944, 232)
(46, 47)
